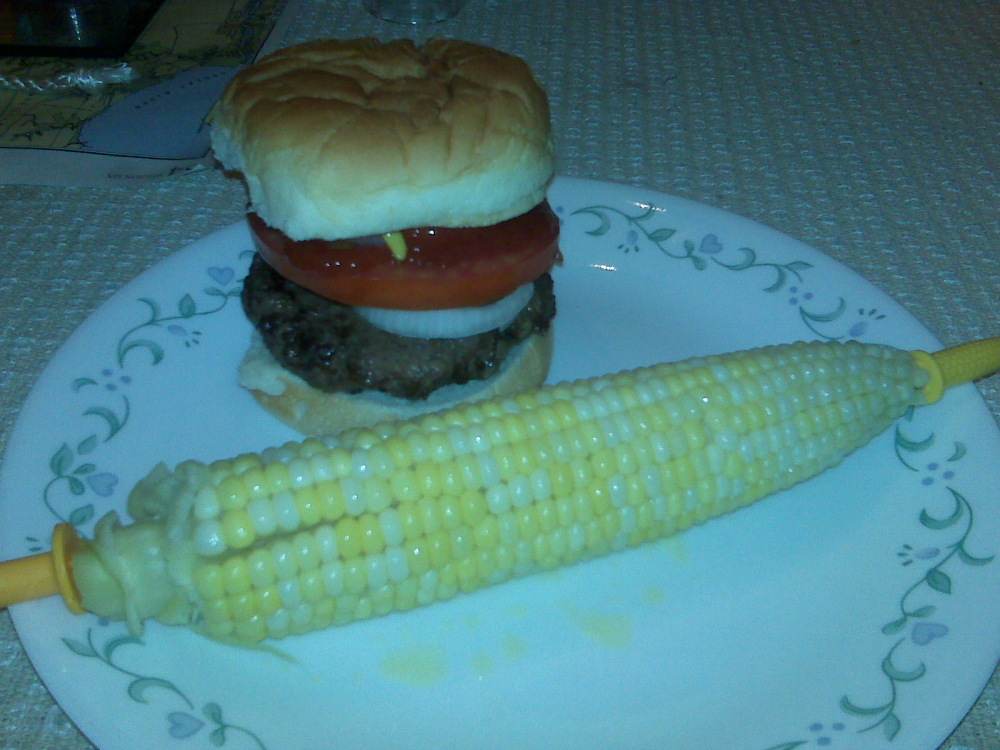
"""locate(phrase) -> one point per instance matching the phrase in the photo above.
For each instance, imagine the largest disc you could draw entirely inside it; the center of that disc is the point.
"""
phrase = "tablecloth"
(866, 129)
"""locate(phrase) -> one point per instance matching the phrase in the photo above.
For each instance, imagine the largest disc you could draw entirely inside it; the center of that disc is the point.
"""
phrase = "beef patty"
(332, 348)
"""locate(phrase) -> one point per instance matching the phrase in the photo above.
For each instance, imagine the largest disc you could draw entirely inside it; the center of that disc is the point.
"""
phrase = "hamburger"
(403, 240)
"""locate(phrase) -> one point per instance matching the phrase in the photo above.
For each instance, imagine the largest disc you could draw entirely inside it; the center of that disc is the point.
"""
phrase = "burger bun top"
(347, 138)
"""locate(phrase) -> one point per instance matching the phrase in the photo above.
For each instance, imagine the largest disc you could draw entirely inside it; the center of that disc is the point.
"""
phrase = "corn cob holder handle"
(319, 533)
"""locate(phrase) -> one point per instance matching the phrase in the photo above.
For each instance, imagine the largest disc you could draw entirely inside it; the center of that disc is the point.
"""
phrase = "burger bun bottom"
(318, 413)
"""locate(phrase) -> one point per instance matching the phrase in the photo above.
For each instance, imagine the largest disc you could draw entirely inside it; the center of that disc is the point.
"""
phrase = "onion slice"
(450, 324)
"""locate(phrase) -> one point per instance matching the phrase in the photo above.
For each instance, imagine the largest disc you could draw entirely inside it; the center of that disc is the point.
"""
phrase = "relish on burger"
(397, 204)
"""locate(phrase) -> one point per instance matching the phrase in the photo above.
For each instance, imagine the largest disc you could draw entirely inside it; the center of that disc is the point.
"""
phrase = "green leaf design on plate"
(80, 648)
(640, 231)
(959, 453)
(661, 235)
(140, 687)
(938, 580)
(604, 221)
(62, 460)
(749, 261)
(969, 559)
(87, 445)
(957, 523)
(848, 707)
(117, 642)
(113, 420)
(154, 309)
(83, 514)
(187, 307)
(813, 318)
(895, 626)
(137, 688)
(213, 712)
(155, 350)
(891, 726)
(939, 524)
(896, 674)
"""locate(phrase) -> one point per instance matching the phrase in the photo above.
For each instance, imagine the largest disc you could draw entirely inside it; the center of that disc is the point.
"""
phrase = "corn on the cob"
(377, 520)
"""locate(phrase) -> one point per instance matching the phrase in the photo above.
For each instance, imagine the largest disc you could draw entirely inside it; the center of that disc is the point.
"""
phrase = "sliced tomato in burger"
(443, 268)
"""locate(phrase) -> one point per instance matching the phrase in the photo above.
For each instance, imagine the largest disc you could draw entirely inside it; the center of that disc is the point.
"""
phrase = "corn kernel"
(354, 496)
(417, 557)
(561, 479)
(206, 504)
(520, 491)
(447, 581)
(355, 575)
(332, 503)
(382, 600)
(468, 575)
(439, 548)
(461, 542)
(243, 606)
(392, 530)
(378, 495)
(406, 595)
(305, 551)
(326, 542)
(399, 451)
(231, 493)
(260, 566)
(372, 537)
(289, 592)
(439, 447)
(428, 479)
(307, 505)
(348, 537)
(473, 507)
(268, 601)
(397, 566)
(237, 529)
(541, 552)
(410, 522)
(451, 480)
(430, 515)
(333, 578)
(209, 581)
(507, 527)
(527, 522)
(498, 499)
(217, 611)
(403, 484)
(486, 533)
(236, 575)
(286, 514)
(377, 572)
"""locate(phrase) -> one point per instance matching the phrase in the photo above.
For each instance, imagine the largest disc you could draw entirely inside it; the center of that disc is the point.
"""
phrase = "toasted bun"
(315, 412)
(346, 138)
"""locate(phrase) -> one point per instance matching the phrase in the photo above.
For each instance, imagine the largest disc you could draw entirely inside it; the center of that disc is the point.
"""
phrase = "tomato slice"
(444, 268)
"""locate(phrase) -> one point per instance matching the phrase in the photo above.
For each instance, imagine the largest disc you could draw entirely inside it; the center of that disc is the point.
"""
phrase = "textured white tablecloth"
(868, 129)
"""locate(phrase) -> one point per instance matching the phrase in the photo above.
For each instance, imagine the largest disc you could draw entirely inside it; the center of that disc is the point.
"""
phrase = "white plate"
(852, 612)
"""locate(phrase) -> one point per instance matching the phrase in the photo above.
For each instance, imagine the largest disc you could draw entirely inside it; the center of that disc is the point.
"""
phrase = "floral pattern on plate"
(939, 552)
